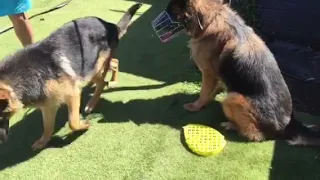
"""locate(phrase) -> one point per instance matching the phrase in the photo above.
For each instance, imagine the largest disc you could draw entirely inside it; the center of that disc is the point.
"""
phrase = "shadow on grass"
(165, 110)
(133, 60)
(141, 53)
(295, 163)
(288, 162)
(25, 132)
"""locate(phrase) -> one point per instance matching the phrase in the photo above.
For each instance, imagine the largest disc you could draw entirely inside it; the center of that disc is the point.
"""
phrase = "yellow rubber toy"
(203, 140)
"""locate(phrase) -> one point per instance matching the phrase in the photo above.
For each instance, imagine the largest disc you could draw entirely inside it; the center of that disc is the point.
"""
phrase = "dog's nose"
(3, 136)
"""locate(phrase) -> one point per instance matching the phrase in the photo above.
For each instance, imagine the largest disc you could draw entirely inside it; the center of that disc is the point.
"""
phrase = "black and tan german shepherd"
(258, 104)
(49, 73)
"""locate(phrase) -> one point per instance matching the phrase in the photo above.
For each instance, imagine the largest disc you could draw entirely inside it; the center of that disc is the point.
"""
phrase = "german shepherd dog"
(258, 104)
(49, 73)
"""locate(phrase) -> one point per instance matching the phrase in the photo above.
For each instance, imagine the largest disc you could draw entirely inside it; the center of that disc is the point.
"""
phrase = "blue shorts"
(10, 7)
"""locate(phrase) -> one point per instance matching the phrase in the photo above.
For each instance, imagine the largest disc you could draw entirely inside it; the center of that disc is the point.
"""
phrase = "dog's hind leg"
(73, 103)
(242, 115)
(49, 111)
(114, 67)
(100, 84)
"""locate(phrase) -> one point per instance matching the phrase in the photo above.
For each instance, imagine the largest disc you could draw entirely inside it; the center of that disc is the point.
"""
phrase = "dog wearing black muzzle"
(258, 103)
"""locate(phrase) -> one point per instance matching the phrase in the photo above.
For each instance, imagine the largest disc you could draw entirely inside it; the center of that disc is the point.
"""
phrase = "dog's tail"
(298, 134)
(124, 22)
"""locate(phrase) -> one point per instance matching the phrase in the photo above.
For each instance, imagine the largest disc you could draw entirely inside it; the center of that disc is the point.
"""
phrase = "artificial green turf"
(136, 128)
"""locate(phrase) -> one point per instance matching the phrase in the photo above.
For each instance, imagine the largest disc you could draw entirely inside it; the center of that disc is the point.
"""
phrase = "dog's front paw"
(41, 143)
(192, 107)
(81, 125)
(84, 125)
(112, 84)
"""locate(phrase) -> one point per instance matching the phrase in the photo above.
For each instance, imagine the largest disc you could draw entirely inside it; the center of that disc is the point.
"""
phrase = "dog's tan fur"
(242, 115)
(65, 90)
(79, 51)
(98, 78)
(208, 47)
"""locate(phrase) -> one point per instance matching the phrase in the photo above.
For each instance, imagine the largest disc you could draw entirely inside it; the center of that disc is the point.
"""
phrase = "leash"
(44, 12)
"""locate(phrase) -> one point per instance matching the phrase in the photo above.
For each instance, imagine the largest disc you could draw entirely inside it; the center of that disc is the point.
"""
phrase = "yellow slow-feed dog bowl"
(203, 140)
